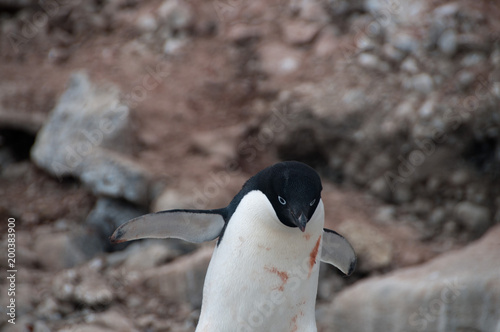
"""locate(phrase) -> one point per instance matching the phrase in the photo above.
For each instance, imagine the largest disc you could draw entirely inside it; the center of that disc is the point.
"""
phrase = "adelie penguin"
(263, 275)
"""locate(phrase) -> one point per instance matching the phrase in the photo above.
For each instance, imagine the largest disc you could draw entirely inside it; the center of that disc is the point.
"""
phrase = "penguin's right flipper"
(195, 226)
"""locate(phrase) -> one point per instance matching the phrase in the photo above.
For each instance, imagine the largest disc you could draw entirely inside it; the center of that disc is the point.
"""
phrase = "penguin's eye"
(282, 200)
(312, 203)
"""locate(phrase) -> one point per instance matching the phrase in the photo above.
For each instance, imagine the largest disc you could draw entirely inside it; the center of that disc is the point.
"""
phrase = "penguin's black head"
(294, 190)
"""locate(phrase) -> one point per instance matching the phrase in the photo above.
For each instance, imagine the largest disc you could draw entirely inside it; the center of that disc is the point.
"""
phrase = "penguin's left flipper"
(195, 226)
(338, 252)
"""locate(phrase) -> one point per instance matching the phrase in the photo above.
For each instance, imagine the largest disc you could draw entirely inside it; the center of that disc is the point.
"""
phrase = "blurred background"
(113, 108)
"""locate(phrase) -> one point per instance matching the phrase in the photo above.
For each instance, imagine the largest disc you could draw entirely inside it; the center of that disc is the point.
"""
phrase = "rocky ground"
(110, 109)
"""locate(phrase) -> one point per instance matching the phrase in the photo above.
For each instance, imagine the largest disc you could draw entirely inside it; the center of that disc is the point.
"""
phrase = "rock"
(437, 217)
(107, 215)
(40, 326)
(25, 122)
(410, 66)
(300, 32)
(423, 83)
(279, 59)
(220, 145)
(64, 250)
(447, 43)
(173, 199)
(82, 287)
(92, 292)
(181, 280)
(404, 42)
(449, 293)
(86, 328)
(472, 59)
(475, 218)
(355, 100)
(92, 153)
(113, 320)
(175, 14)
(369, 61)
(446, 10)
(148, 254)
(373, 249)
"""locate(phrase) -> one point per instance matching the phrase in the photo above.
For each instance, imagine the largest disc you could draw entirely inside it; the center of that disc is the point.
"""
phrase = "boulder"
(182, 280)
(457, 291)
(107, 215)
(85, 136)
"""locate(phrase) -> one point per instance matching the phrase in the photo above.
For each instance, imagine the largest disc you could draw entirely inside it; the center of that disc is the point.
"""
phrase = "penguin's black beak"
(300, 220)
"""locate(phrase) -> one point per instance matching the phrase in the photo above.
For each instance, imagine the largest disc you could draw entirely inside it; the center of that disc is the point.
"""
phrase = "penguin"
(263, 274)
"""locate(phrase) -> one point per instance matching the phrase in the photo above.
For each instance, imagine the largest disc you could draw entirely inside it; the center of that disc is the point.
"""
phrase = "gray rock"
(447, 43)
(58, 251)
(446, 10)
(373, 248)
(107, 215)
(278, 59)
(83, 287)
(423, 83)
(175, 14)
(405, 42)
(113, 320)
(369, 61)
(458, 291)
(148, 254)
(475, 218)
(410, 65)
(84, 137)
(181, 280)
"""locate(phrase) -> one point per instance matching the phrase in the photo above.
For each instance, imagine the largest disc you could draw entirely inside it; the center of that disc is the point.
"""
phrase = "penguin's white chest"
(264, 275)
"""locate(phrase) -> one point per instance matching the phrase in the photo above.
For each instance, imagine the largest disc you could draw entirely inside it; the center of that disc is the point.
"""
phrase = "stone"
(280, 60)
(405, 42)
(449, 293)
(82, 287)
(107, 215)
(220, 145)
(23, 121)
(475, 218)
(298, 32)
(173, 199)
(148, 254)
(446, 10)
(58, 251)
(423, 83)
(112, 319)
(409, 65)
(447, 42)
(175, 14)
(182, 280)
(40, 326)
(369, 61)
(372, 247)
(94, 151)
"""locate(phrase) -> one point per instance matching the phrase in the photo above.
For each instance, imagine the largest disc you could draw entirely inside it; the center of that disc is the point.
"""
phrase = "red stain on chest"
(283, 276)
(313, 255)
(307, 236)
(293, 323)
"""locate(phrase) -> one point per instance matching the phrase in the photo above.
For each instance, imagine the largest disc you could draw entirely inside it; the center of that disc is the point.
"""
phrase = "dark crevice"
(483, 155)
(17, 143)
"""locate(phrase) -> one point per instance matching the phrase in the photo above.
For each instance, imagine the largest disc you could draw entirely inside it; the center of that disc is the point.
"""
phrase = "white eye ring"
(312, 203)
(281, 200)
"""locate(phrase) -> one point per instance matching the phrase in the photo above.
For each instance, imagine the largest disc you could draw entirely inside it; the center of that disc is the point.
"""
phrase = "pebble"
(410, 65)
(447, 42)
(475, 218)
(423, 83)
